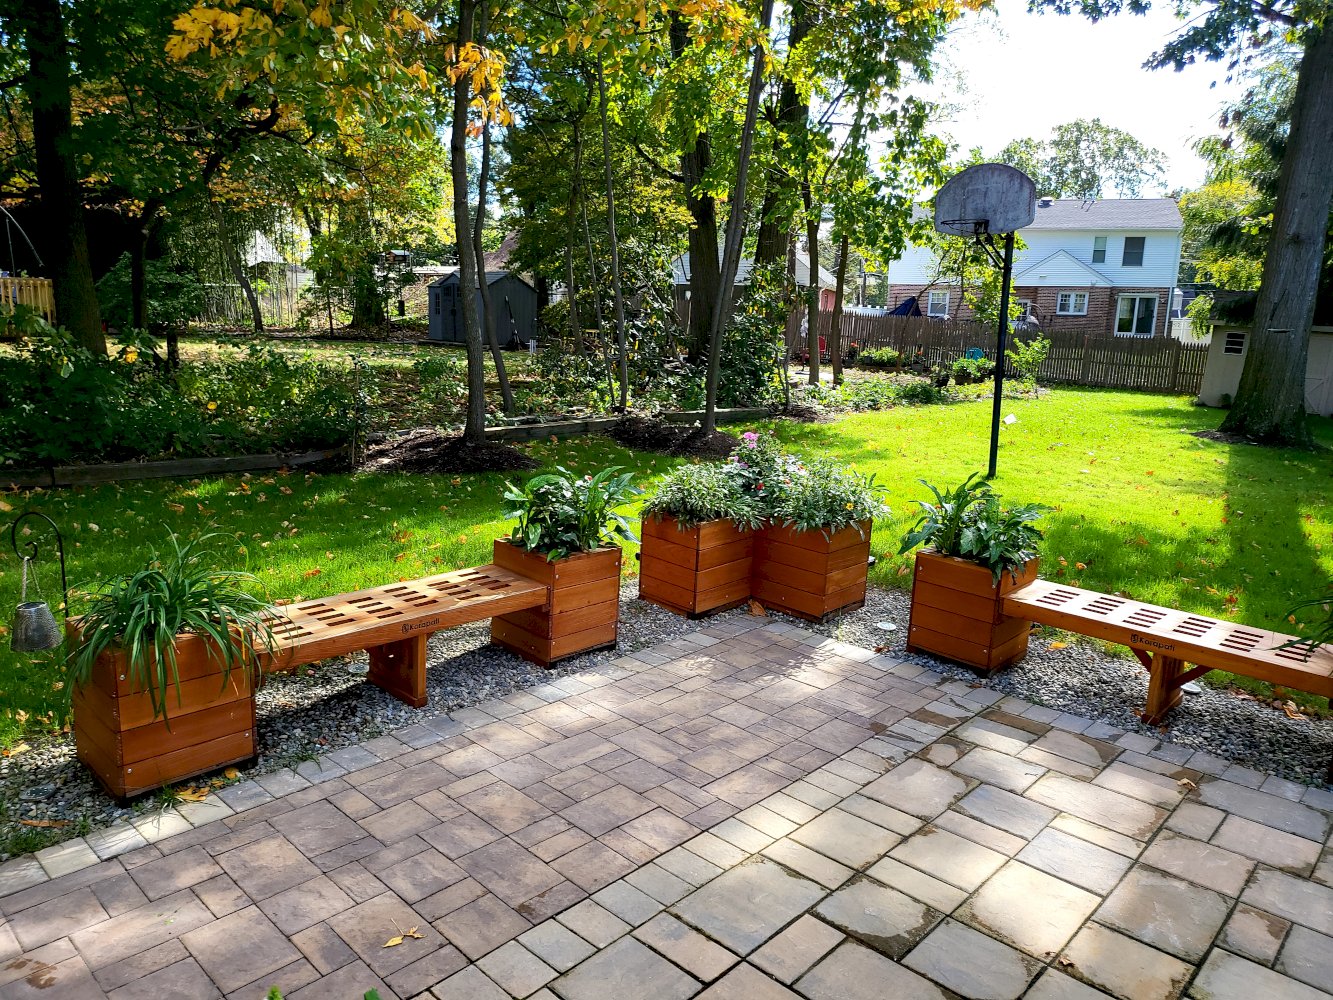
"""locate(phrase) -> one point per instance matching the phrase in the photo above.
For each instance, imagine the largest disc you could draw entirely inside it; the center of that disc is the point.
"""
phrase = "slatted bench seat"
(392, 623)
(1165, 640)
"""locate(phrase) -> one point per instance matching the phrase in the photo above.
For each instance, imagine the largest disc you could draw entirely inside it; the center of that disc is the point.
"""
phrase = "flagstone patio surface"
(750, 813)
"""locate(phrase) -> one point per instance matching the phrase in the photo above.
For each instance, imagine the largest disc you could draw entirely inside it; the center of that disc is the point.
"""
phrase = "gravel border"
(327, 706)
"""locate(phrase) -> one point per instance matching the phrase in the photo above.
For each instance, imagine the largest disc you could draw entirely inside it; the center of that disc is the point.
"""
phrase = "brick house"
(1099, 266)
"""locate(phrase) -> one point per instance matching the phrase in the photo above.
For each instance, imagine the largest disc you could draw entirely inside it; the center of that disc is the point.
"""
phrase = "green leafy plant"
(826, 496)
(562, 513)
(969, 522)
(879, 357)
(693, 494)
(1027, 358)
(1321, 634)
(973, 369)
(142, 613)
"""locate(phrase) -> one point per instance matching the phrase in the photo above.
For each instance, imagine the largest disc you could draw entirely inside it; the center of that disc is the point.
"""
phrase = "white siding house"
(1101, 266)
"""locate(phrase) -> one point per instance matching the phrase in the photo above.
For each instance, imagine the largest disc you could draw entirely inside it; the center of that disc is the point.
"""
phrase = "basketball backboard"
(986, 198)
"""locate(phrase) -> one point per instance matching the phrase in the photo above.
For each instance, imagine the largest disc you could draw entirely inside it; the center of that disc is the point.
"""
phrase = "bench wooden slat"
(344, 623)
(1166, 632)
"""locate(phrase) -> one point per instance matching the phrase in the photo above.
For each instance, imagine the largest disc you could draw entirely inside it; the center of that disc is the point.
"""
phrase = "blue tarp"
(907, 307)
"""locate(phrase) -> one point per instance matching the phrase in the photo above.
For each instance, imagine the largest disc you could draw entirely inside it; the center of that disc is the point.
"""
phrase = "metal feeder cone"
(35, 625)
(35, 628)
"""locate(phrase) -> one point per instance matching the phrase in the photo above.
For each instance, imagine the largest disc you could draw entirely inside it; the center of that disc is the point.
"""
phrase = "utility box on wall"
(512, 298)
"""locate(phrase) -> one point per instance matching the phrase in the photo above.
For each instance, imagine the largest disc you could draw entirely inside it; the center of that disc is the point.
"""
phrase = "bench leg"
(400, 668)
(1164, 694)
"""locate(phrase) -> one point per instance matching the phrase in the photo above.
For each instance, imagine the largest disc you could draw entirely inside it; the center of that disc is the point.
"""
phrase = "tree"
(1270, 401)
(47, 82)
(1084, 158)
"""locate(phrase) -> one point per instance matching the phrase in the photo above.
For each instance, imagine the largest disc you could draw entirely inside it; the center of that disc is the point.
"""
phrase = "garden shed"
(512, 298)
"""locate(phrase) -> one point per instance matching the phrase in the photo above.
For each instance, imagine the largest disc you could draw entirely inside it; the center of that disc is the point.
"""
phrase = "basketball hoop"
(983, 201)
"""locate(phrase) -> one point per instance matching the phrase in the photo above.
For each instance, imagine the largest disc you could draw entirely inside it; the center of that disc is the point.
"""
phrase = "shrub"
(172, 298)
(879, 357)
(969, 522)
(562, 513)
(1028, 358)
(693, 494)
(826, 496)
(921, 393)
(972, 369)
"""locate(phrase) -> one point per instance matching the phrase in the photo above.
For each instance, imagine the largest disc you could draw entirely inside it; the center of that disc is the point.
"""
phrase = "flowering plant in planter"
(561, 513)
(695, 494)
(824, 496)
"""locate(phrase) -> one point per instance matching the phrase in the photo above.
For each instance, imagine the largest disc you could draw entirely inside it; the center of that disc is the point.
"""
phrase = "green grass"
(1150, 511)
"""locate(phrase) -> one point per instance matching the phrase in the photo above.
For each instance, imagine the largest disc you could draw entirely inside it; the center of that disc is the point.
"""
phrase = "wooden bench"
(1165, 641)
(392, 623)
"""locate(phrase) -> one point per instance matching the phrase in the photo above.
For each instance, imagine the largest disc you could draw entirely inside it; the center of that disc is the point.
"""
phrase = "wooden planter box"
(695, 571)
(809, 575)
(584, 608)
(956, 612)
(210, 726)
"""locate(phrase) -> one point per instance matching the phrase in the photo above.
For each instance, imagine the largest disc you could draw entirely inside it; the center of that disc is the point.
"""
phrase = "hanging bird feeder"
(35, 626)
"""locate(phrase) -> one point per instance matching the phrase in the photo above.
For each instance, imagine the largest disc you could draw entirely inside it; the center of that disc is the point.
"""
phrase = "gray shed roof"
(491, 277)
(1111, 213)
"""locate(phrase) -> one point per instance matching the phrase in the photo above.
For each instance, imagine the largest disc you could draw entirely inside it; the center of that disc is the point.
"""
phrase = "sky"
(1014, 74)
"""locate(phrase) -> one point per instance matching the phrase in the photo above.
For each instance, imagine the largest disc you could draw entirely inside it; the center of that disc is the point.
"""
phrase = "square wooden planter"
(209, 726)
(583, 611)
(956, 612)
(809, 575)
(695, 571)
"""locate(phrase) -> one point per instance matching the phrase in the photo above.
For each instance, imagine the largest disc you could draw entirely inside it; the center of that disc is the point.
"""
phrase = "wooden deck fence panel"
(1158, 364)
(36, 293)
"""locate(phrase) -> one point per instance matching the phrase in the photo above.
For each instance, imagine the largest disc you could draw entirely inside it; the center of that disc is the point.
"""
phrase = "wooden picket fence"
(1162, 364)
(37, 293)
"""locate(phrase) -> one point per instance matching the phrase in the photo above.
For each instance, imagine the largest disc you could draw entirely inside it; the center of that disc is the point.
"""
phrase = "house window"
(1235, 342)
(937, 304)
(1099, 249)
(1071, 304)
(1133, 252)
(1136, 315)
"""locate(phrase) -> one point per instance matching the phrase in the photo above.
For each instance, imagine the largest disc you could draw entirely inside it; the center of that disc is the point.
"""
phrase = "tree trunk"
(772, 239)
(595, 285)
(812, 289)
(48, 87)
(617, 294)
(1270, 401)
(571, 283)
(835, 324)
(474, 429)
(695, 159)
(731, 253)
(234, 264)
(484, 288)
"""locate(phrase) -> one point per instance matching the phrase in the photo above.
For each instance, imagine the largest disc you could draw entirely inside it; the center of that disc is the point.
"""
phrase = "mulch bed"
(434, 451)
(676, 440)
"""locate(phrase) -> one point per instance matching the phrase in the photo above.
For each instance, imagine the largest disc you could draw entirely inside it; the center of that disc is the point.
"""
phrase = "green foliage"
(879, 357)
(142, 613)
(442, 379)
(969, 522)
(64, 404)
(826, 495)
(173, 299)
(874, 394)
(562, 513)
(1085, 157)
(1200, 315)
(1321, 631)
(1026, 358)
(971, 369)
(693, 494)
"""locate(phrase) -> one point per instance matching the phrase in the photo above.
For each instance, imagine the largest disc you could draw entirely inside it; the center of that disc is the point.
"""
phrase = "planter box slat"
(957, 612)
(177, 766)
(809, 575)
(697, 570)
(581, 613)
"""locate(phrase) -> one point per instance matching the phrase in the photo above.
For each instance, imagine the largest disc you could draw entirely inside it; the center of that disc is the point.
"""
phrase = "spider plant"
(142, 613)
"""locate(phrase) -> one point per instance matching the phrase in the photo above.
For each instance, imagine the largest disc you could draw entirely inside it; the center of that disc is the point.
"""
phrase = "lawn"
(1139, 506)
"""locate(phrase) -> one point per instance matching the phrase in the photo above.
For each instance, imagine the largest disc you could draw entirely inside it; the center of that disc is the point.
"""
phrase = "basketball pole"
(1001, 338)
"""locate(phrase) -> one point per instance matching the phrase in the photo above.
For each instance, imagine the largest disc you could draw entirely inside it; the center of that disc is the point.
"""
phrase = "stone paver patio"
(750, 813)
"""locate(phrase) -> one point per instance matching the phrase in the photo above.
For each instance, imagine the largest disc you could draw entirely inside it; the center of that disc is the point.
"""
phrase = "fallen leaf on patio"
(1186, 783)
(393, 942)
(402, 935)
(757, 609)
(45, 824)
(193, 794)
(1059, 645)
